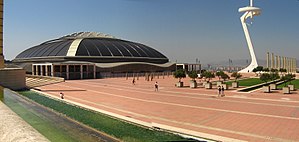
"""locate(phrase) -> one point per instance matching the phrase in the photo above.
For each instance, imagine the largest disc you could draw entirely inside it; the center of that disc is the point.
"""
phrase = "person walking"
(222, 91)
(133, 81)
(156, 86)
(219, 90)
(61, 95)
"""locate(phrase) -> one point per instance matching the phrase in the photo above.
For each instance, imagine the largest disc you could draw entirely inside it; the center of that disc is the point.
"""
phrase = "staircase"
(36, 81)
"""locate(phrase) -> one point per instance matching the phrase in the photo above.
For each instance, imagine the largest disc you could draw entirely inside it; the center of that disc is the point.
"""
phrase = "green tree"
(288, 78)
(274, 70)
(259, 69)
(274, 75)
(180, 73)
(193, 75)
(265, 77)
(236, 75)
(282, 70)
(219, 74)
(265, 70)
(254, 70)
(208, 74)
(224, 76)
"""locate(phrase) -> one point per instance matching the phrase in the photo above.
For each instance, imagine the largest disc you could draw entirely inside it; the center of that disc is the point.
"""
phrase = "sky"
(183, 30)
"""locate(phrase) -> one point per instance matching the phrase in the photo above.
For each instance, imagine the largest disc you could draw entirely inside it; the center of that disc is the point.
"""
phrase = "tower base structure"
(13, 78)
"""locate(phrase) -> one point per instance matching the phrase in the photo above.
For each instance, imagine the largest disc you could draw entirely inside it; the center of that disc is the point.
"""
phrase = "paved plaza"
(254, 116)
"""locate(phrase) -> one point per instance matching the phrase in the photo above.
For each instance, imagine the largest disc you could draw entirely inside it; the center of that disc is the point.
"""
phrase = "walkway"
(252, 116)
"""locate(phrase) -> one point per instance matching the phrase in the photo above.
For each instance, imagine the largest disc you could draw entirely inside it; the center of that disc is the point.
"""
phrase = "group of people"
(156, 84)
(220, 91)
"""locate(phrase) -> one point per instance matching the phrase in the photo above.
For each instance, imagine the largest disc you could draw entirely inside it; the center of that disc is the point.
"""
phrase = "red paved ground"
(252, 116)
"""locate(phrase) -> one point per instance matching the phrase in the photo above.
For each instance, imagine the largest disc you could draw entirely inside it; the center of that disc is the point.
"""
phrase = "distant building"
(91, 55)
(189, 67)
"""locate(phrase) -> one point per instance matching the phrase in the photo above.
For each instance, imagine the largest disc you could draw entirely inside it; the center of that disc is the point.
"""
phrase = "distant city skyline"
(183, 30)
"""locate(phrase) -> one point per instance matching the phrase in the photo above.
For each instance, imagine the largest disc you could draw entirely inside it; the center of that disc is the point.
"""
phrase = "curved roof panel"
(87, 44)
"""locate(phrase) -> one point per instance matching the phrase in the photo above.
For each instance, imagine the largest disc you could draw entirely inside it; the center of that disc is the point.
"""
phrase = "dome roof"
(90, 44)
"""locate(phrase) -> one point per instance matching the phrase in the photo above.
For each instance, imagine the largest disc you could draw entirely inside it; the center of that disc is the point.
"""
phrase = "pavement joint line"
(275, 100)
(147, 124)
(196, 107)
(169, 120)
(136, 90)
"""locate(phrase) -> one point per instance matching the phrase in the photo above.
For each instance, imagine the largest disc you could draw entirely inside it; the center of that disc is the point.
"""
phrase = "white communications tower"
(250, 12)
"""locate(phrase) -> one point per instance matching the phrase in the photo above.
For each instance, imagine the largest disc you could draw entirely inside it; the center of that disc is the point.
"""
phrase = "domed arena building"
(88, 55)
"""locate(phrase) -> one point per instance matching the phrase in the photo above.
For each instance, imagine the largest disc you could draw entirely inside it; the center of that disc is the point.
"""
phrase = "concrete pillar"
(272, 61)
(296, 64)
(87, 70)
(288, 64)
(284, 63)
(52, 70)
(81, 71)
(41, 70)
(279, 62)
(32, 69)
(293, 65)
(36, 70)
(268, 60)
(276, 62)
(67, 72)
(46, 70)
(94, 71)
(1, 35)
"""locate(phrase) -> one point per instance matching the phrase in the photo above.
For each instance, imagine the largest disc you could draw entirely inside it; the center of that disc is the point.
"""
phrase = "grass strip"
(294, 82)
(247, 82)
(111, 126)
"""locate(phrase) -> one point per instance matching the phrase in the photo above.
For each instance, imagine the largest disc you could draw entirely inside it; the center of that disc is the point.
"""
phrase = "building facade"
(87, 55)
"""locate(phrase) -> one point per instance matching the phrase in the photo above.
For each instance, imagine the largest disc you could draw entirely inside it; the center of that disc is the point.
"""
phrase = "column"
(293, 65)
(46, 69)
(67, 72)
(272, 61)
(279, 62)
(81, 71)
(284, 63)
(268, 60)
(94, 72)
(52, 70)
(36, 70)
(60, 70)
(288, 64)
(296, 64)
(276, 62)
(41, 70)
(32, 69)
(87, 70)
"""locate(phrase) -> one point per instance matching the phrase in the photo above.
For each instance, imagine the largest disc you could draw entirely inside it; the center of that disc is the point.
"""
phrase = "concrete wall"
(13, 78)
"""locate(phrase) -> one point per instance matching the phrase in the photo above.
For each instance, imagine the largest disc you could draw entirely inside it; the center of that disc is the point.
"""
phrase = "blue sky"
(183, 30)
